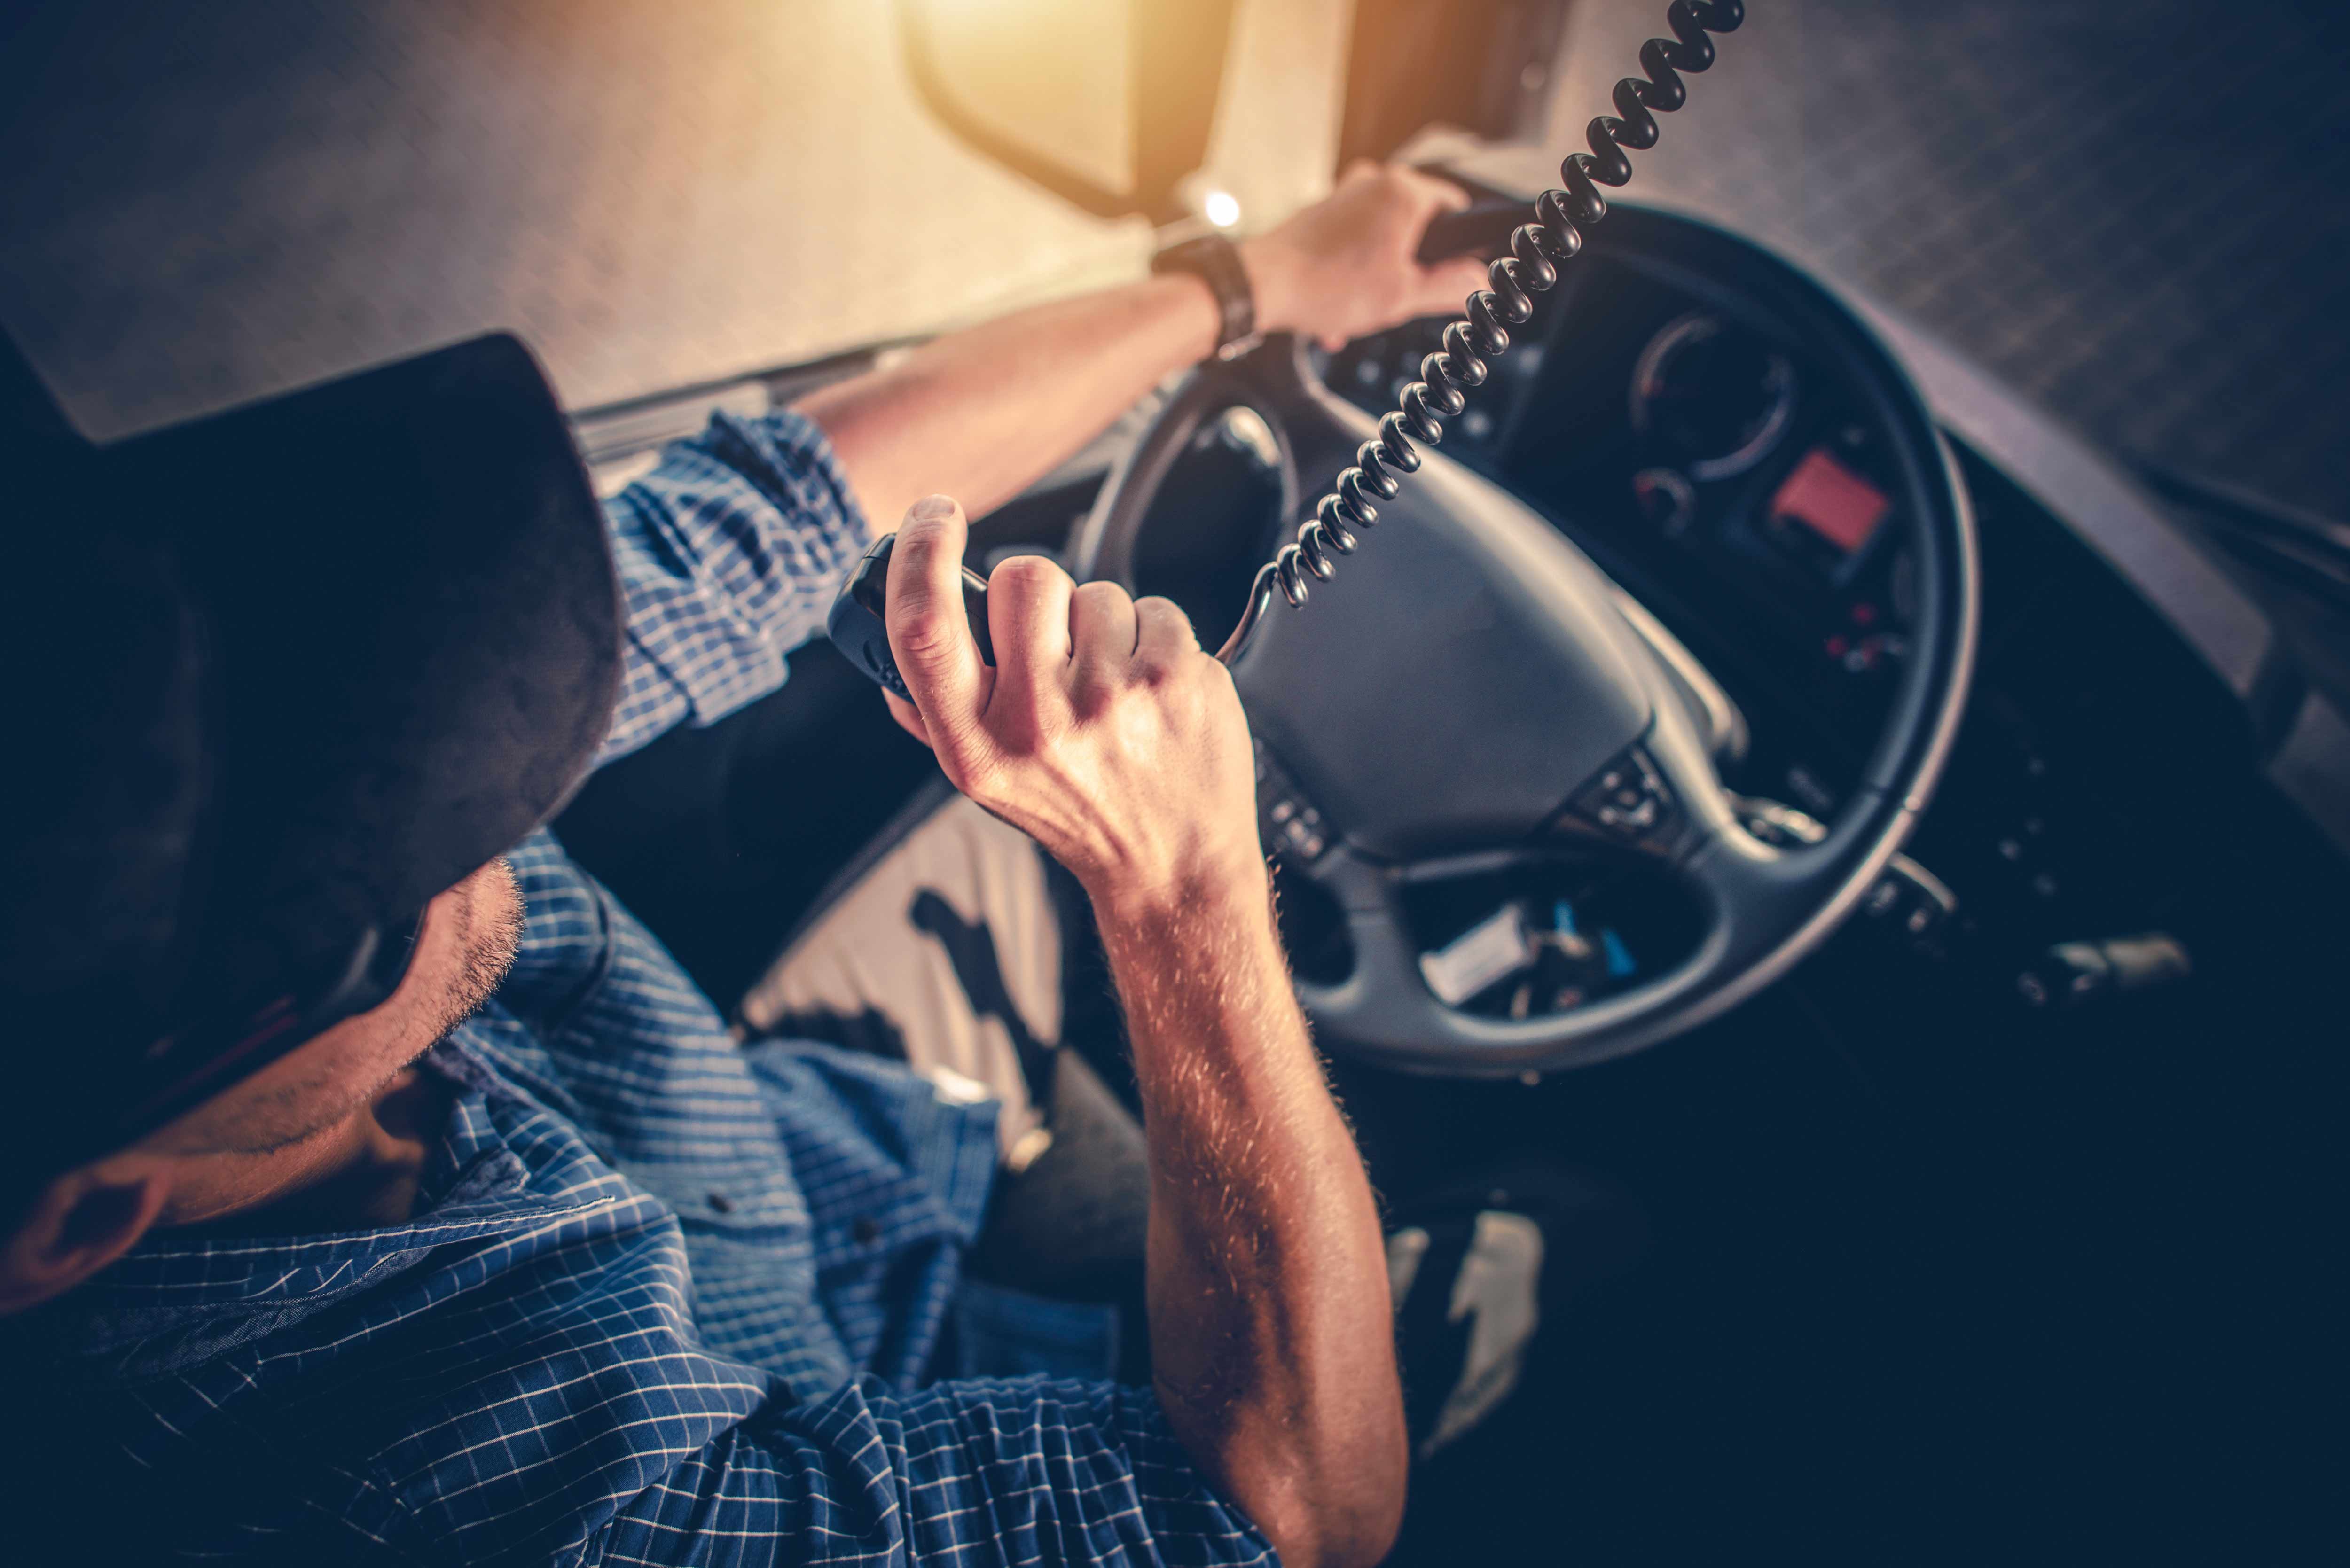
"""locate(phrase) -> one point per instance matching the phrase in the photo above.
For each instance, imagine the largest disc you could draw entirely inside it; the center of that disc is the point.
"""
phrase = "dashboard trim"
(2126, 526)
(2105, 509)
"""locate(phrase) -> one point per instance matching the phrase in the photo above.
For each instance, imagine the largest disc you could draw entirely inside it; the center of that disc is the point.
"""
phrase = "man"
(378, 1188)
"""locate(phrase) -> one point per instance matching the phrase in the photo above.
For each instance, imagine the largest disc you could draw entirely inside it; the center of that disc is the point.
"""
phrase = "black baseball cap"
(269, 681)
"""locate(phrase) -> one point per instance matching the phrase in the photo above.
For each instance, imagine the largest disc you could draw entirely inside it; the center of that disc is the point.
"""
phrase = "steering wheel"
(1468, 686)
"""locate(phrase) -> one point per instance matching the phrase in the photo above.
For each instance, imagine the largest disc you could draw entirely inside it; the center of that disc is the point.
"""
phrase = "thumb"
(929, 635)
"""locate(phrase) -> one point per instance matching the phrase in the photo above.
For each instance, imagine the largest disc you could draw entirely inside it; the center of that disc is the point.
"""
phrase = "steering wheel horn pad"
(1461, 677)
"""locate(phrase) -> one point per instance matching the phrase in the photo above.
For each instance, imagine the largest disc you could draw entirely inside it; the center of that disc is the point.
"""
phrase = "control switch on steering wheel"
(1287, 824)
(1629, 801)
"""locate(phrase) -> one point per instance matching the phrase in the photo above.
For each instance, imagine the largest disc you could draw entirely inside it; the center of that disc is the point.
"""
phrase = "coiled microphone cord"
(1481, 333)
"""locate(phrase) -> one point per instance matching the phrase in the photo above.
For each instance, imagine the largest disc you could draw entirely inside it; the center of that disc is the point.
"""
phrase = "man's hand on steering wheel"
(1348, 265)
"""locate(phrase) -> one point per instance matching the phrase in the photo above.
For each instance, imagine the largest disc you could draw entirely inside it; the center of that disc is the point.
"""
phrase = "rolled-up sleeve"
(973, 1473)
(729, 553)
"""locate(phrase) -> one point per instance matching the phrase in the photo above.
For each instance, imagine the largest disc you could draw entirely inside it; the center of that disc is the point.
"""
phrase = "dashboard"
(1713, 464)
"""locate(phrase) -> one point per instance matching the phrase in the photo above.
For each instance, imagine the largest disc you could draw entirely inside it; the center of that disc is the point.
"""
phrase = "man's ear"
(75, 1225)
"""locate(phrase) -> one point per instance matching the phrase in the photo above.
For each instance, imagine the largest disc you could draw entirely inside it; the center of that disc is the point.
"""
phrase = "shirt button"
(867, 1230)
(720, 1204)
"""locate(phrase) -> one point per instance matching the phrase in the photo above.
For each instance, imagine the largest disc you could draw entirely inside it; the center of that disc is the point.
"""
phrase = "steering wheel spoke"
(1354, 881)
(1386, 997)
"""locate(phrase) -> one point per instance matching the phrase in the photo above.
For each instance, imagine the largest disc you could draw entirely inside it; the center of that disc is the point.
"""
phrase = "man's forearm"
(1269, 1329)
(982, 413)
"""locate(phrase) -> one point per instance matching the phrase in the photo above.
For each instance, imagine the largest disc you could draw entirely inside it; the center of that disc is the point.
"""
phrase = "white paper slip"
(1489, 951)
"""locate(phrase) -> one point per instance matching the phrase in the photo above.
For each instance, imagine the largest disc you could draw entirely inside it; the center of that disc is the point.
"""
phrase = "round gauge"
(1717, 394)
(1666, 499)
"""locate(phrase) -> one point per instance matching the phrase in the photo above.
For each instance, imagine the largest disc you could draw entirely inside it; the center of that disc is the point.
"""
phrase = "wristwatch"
(1216, 261)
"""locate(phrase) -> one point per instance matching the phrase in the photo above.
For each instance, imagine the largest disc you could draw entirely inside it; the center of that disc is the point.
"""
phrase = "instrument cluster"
(1707, 462)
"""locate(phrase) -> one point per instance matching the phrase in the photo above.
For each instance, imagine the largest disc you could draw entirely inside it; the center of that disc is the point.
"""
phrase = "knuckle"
(1200, 670)
(1180, 672)
(1021, 722)
(1093, 681)
(1015, 745)
(913, 610)
(920, 540)
(1025, 575)
(1026, 741)
(1205, 684)
(1164, 614)
(919, 628)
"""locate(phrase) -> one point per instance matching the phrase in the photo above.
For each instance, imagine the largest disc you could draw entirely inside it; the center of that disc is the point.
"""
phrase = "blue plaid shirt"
(662, 1300)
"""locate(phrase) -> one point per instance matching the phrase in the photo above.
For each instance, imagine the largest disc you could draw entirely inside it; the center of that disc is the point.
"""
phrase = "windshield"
(653, 199)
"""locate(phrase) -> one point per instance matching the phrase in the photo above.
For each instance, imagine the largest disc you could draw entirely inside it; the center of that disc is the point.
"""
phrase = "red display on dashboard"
(1832, 500)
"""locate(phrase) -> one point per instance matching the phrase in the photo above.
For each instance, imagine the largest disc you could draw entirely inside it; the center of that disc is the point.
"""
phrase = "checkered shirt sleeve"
(972, 1473)
(729, 553)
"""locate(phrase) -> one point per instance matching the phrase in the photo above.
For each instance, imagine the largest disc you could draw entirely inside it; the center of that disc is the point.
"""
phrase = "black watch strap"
(1216, 261)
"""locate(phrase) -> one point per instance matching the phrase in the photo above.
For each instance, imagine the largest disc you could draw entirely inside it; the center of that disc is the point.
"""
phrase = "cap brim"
(415, 633)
